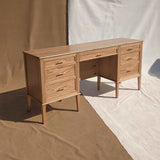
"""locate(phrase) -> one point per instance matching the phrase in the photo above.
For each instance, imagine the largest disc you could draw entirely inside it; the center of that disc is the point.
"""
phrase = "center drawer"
(61, 88)
(97, 53)
(54, 74)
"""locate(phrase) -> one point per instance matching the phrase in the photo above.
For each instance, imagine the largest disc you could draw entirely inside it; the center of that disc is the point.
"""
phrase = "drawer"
(54, 74)
(97, 53)
(128, 70)
(130, 48)
(61, 88)
(59, 61)
(130, 57)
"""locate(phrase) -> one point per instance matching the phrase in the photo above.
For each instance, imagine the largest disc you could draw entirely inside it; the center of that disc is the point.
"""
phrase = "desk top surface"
(77, 48)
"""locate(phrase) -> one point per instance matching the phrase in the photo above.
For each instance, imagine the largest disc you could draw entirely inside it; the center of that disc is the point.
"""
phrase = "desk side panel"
(33, 76)
(108, 67)
(88, 69)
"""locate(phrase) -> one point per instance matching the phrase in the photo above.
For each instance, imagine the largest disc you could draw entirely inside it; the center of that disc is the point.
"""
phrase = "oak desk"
(53, 74)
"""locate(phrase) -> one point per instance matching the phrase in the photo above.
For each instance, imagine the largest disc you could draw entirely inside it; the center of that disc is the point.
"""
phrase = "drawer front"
(59, 61)
(129, 70)
(130, 48)
(59, 89)
(129, 58)
(97, 54)
(56, 74)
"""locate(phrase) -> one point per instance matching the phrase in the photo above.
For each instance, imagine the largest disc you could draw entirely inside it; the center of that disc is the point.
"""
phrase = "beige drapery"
(24, 25)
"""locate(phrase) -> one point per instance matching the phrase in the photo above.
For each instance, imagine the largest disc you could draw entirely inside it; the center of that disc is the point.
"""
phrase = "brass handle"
(61, 62)
(98, 55)
(129, 59)
(129, 49)
(61, 74)
(60, 89)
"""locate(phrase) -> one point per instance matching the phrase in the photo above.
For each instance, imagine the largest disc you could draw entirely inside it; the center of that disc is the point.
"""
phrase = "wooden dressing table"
(53, 74)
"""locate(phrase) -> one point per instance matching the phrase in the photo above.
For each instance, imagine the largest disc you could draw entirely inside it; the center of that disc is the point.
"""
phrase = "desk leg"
(139, 83)
(78, 102)
(98, 82)
(28, 103)
(117, 89)
(43, 108)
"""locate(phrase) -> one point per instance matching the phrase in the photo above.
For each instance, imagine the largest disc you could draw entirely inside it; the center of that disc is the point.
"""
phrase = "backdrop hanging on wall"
(24, 25)
(97, 20)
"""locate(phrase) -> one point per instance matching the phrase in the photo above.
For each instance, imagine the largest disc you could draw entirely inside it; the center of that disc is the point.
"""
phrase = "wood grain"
(60, 61)
(85, 56)
(108, 67)
(77, 48)
(33, 78)
(129, 58)
(60, 88)
(58, 74)
(88, 69)
(130, 48)
(53, 74)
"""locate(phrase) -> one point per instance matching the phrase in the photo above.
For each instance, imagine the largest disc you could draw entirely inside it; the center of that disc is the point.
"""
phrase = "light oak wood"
(33, 77)
(118, 71)
(53, 74)
(98, 82)
(78, 102)
(139, 83)
(117, 89)
(43, 108)
(61, 88)
(130, 58)
(58, 74)
(77, 48)
(77, 72)
(61, 61)
(28, 103)
(140, 66)
(108, 67)
(130, 48)
(85, 56)
(129, 69)
(88, 69)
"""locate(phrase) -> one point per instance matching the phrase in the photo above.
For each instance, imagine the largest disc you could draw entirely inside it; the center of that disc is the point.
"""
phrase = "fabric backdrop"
(24, 25)
(104, 19)
(134, 116)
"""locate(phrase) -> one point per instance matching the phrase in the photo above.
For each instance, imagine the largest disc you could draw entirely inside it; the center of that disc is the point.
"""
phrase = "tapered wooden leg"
(98, 82)
(28, 103)
(117, 89)
(78, 102)
(139, 83)
(43, 107)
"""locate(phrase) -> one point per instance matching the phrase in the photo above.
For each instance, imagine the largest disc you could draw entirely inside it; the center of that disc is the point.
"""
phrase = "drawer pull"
(94, 65)
(129, 59)
(128, 71)
(61, 74)
(98, 55)
(61, 62)
(129, 49)
(60, 89)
